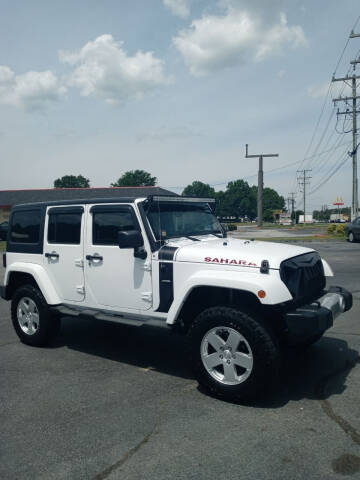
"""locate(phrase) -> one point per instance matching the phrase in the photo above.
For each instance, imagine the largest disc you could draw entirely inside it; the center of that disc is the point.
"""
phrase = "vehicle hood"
(231, 252)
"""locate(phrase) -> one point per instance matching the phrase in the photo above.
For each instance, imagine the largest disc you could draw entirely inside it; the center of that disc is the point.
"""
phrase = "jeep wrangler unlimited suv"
(166, 262)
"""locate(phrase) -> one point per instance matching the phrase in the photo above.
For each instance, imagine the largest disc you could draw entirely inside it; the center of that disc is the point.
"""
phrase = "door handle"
(94, 257)
(52, 255)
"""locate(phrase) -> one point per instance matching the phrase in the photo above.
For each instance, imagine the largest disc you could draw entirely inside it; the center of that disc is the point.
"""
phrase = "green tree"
(239, 200)
(135, 178)
(272, 200)
(268, 215)
(199, 189)
(72, 181)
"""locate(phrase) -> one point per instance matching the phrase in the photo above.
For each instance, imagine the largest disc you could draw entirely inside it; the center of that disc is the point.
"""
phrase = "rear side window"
(106, 226)
(64, 228)
(25, 227)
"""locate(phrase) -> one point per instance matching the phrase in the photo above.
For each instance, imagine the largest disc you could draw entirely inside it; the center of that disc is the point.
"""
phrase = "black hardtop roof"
(9, 198)
(77, 201)
(85, 201)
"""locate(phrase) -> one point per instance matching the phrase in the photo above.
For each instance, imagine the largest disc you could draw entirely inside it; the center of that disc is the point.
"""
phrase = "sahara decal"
(229, 261)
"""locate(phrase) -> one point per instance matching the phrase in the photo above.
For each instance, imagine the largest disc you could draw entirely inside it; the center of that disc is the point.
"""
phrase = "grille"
(304, 276)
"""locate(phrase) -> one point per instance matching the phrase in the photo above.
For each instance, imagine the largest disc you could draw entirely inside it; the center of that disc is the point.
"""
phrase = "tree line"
(324, 214)
(132, 178)
(237, 201)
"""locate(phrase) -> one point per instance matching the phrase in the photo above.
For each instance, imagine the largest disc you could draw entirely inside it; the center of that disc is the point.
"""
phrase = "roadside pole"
(260, 182)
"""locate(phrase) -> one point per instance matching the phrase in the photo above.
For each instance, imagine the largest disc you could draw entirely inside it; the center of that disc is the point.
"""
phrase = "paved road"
(256, 232)
(109, 402)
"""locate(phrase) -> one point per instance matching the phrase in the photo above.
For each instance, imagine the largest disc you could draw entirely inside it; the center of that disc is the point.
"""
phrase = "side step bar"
(88, 313)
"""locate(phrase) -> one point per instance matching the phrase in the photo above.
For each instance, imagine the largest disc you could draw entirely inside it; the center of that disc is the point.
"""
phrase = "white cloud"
(240, 35)
(180, 8)
(30, 90)
(104, 69)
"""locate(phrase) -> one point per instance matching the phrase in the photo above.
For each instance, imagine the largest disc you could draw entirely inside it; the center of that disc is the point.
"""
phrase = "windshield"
(171, 220)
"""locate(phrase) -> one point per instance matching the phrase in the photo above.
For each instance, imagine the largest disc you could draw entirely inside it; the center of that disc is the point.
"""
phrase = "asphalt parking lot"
(114, 402)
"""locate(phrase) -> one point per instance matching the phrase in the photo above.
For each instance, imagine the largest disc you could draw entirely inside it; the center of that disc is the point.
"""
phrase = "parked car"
(352, 230)
(4, 226)
(166, 262)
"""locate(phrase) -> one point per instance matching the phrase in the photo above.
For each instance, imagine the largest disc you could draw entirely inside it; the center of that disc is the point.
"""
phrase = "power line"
(333, 166)
(325, 161)
(354, 97)
(346, 44)
(326, 97)
(337, 168)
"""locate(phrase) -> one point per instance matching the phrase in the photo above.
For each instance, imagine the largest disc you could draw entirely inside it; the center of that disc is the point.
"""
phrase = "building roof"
(8, 198)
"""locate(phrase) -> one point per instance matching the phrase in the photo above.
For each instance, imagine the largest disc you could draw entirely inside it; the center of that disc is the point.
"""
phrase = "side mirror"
(130, 239)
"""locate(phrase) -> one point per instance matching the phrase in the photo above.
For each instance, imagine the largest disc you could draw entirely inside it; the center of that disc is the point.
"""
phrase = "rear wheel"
(232, 354)
(31, 317)
(351, 237)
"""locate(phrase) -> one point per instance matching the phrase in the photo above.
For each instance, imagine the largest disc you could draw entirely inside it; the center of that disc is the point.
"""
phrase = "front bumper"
(314, 319)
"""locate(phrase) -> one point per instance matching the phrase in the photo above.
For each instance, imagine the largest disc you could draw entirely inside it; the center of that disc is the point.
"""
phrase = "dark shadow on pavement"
(318, 373)
(145, 347)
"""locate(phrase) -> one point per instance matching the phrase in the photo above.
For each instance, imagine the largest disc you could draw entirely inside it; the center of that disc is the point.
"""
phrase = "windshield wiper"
(193, 238)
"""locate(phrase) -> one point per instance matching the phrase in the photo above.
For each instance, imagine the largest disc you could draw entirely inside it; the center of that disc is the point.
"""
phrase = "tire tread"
(263, 342)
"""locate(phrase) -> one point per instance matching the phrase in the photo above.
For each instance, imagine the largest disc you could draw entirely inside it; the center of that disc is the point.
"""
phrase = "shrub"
(340, 229)
(331, 228)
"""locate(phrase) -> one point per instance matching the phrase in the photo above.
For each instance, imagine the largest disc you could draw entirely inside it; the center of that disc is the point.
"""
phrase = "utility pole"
(303, 180)
(354, 112)
(292, 200)
(288, 203)
(260, 182)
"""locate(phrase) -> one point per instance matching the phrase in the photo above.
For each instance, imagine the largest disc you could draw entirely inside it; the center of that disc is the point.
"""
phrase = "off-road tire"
(264, 348)
(48, 324)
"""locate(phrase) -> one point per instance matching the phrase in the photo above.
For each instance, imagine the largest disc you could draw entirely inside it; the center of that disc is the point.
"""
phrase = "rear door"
(63, 251)
(115, 278)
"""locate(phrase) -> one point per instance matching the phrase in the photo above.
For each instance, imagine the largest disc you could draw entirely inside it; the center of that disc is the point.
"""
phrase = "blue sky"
(175, 87)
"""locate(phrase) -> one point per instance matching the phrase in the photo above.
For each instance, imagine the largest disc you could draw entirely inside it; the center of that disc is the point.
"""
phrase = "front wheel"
(31, 317)
(233, 355)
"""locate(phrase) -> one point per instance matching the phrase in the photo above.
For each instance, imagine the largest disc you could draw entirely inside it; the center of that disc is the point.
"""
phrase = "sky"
(176, 88)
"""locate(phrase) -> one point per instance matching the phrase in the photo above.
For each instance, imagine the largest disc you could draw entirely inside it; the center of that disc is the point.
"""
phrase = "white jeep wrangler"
(166, 262)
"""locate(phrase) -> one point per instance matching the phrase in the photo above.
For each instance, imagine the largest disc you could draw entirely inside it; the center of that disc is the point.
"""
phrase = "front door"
(63, 251)
(114, 277)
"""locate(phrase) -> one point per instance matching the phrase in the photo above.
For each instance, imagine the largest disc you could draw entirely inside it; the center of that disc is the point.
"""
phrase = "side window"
(64, 228)
(25, 227)
(106, 225)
